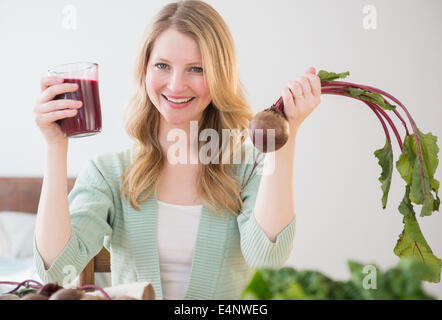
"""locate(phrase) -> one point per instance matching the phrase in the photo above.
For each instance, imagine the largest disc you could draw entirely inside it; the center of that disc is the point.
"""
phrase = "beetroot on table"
(67, 294)
(49, 289)
(34, 296)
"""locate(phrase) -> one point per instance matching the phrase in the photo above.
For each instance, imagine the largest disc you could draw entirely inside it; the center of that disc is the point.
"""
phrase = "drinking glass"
(87, 121)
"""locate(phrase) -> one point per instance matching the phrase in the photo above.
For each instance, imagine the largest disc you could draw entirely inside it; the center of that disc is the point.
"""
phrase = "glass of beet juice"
(87, 121)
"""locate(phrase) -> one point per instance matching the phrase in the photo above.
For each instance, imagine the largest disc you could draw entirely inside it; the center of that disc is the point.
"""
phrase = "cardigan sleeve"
(256, 247)
(91, 210)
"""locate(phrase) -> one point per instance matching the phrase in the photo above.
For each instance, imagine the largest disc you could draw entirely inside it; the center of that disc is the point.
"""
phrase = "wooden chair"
(22, 194)
(100, 263)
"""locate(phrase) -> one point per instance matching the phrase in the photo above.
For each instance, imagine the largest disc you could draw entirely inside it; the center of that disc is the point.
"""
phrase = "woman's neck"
(180, 140)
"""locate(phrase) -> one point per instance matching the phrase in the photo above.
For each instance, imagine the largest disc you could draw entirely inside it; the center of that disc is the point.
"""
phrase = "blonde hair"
(227, 110)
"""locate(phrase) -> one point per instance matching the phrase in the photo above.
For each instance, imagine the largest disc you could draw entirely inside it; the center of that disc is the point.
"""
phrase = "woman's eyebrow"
(198, 62)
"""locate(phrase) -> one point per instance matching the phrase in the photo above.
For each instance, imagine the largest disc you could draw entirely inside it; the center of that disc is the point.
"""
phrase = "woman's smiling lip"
(176, 97)
(178, 105)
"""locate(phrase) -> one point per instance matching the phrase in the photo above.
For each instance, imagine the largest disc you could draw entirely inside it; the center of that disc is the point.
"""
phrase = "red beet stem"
(413, 123)
(329, 85)
(370, 89)
(374, 107)
(387, 134)
(37, 285)
(253, 169)
(279, 105)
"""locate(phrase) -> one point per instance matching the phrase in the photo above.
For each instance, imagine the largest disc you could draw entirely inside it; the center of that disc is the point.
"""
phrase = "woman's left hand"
(301, 97)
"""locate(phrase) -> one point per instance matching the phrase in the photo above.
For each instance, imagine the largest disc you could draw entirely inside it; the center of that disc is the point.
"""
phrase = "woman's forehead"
(174, 46)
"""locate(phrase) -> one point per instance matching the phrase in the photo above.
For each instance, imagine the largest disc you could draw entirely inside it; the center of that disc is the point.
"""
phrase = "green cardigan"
(227, 249)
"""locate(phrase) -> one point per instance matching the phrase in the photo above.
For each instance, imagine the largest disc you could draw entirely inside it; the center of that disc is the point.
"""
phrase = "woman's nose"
(177, 82)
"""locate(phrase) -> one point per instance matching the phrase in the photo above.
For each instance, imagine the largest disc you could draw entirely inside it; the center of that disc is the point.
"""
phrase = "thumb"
(311, 70)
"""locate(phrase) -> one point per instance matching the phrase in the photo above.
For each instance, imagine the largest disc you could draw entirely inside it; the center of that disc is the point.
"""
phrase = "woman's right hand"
(47, 110)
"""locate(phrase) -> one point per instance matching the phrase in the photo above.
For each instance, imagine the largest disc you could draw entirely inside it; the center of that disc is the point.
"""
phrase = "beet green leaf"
(412, 244)
(385, 156)
(330, 76)
(419, 173)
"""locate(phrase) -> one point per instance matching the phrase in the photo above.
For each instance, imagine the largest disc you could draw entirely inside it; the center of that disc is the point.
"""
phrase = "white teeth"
(179, 100)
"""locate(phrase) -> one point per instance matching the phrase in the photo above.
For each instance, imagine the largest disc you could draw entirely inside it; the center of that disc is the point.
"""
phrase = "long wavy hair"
(228, 108)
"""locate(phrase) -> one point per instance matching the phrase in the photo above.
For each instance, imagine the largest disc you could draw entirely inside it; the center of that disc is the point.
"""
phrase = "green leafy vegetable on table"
(398, 283)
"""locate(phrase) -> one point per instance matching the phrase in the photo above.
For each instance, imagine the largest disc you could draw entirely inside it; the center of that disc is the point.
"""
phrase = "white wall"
(337, 192)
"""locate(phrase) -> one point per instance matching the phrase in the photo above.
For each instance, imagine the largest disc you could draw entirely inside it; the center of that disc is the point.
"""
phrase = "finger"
(48, 81)
(305, 84)
(311, 70)
(315, 83)
(296, 91)
(57, 89)
(295, 88)
(46, 119)
(287, 98)
(58, 105)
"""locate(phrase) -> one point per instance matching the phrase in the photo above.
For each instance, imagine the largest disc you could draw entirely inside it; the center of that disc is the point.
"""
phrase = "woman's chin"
(176, 121)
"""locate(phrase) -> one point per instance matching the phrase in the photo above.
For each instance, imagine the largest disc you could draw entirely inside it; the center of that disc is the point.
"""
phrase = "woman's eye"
(161, 65)
(197, 69)
(164, 66)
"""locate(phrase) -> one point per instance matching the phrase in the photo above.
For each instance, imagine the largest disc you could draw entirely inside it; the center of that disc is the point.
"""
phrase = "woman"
(186, 228)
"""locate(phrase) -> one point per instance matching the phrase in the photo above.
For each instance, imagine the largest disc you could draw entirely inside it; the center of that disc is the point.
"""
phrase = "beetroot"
(67, 294)
(49, 289)
(269, 129)
(34, 296)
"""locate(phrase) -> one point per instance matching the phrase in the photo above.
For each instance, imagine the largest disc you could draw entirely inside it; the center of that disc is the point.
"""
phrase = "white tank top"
(176, 236)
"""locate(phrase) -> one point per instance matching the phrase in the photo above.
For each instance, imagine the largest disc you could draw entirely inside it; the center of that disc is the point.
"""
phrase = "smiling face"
(174, 72)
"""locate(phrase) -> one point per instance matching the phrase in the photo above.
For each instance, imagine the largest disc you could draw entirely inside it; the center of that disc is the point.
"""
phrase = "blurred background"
(393, 45)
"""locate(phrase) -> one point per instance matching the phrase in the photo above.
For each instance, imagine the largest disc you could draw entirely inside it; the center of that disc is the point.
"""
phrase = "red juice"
(87, 121)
